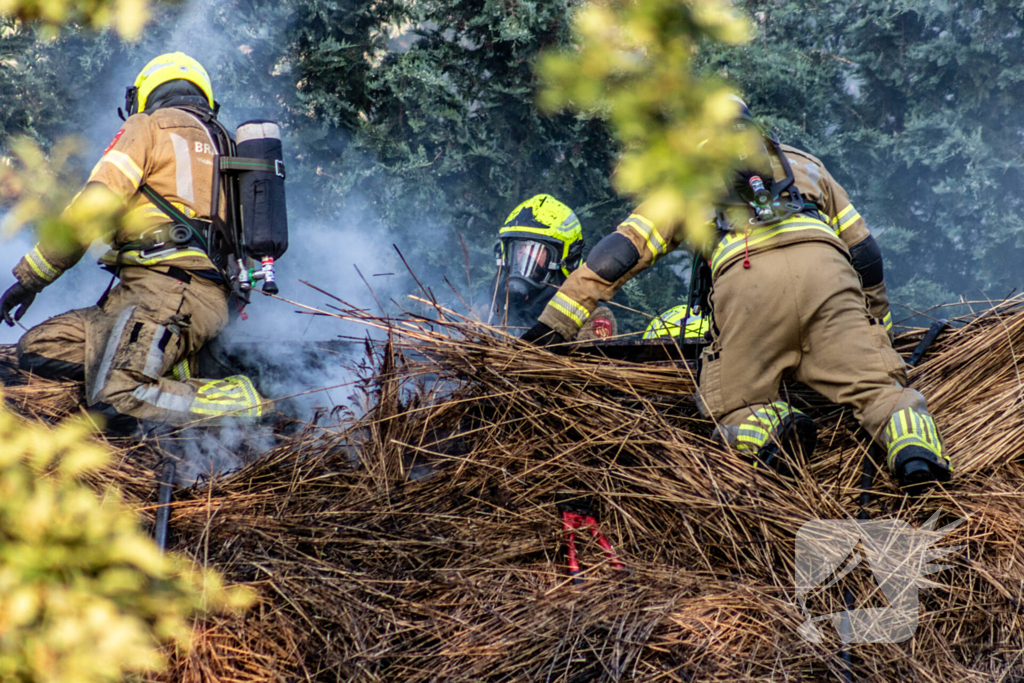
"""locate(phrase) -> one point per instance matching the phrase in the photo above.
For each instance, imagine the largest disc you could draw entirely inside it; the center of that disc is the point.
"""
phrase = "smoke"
(281, 349)
(205, 453)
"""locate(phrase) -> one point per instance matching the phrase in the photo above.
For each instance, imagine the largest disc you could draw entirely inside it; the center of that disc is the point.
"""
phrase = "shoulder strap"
(171, 211)
(225, 236)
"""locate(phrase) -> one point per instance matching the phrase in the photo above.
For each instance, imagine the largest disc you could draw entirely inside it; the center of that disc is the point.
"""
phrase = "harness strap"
(177, 217)
(241, 164)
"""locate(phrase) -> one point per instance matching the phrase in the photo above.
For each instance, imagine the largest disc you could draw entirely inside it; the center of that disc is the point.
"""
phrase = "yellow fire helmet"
(544, 219)
(667, 324)
(167, 67)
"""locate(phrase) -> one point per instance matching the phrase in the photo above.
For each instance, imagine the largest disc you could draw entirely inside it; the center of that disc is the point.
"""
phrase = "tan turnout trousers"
(136, 347)
(798, 313)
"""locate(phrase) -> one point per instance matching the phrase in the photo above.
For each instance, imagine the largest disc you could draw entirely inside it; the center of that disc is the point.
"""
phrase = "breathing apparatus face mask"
(528, 269)
(530, 259)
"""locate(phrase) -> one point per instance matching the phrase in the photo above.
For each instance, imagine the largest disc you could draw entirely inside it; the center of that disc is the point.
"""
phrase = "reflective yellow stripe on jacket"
(569, 308)
(134, 257)
(736, 242)
(845, 219)
(41, 266)
(645, 228)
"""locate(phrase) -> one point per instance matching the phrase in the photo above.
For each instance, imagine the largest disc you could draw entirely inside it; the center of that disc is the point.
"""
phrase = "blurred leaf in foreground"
(85, 596)
(634, 66)
(127, 17)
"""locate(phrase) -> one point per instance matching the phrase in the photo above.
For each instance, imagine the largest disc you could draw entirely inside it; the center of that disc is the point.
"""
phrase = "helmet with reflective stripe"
(667, 324)
(542, 218)
(168, 67)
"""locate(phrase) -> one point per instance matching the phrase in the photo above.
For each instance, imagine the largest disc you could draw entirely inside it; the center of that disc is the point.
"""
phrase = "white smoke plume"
(322, 251)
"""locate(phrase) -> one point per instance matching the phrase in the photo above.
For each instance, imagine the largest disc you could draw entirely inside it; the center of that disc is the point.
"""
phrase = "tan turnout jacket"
(843, 228)
(171, 151)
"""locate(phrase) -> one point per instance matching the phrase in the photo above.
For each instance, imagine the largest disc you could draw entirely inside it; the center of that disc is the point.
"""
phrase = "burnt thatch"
(422, 541)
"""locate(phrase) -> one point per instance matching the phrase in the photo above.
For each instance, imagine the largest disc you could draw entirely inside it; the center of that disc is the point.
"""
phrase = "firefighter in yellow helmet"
(676, 320)
(798, 292)
(135, 349)
(538, 247)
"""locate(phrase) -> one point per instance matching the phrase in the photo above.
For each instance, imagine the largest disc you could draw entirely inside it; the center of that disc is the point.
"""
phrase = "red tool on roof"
(577, 515)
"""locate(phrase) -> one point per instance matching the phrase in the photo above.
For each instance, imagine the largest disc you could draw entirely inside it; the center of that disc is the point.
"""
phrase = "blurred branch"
(38, 189)
(84, 594)
(127, 17)
(634, 65)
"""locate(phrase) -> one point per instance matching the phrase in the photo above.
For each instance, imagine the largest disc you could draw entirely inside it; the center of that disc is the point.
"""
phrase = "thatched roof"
(440, 556)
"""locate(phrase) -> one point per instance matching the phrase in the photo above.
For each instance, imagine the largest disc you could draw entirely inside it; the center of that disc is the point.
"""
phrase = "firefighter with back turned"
(179, 252)
(798, 293)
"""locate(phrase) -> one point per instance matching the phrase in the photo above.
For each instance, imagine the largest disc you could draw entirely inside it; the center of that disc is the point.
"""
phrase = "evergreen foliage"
(85, 595)
(39, 97)
(633, 64)
(420, 118)
(460, 141)
(914, 106)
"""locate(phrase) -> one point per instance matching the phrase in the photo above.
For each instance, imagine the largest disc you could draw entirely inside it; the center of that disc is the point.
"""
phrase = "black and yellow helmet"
(167, 67)
(549, 230)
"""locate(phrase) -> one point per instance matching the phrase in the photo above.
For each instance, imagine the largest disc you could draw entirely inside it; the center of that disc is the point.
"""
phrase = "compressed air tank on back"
(261, 192)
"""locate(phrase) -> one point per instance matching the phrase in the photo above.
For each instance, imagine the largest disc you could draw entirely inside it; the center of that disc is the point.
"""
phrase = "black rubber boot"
(10, 376)
(794, 441)
(116, 424)
(917, 470)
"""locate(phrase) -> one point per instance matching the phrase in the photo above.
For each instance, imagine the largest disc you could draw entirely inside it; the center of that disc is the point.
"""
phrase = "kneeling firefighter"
(539, 245)
(797, 292)
(199, 207)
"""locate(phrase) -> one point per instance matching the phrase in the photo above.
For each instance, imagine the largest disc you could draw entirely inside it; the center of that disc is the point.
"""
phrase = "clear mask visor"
(530, 259)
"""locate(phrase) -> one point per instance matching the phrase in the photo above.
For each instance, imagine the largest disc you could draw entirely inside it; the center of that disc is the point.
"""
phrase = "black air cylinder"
(264, 218)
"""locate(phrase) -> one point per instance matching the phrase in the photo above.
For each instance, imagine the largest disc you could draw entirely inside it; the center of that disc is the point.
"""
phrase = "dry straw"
(440, 556)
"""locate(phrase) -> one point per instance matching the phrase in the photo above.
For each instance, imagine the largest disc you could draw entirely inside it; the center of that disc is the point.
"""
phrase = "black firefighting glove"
(17, 295)
(542, 335)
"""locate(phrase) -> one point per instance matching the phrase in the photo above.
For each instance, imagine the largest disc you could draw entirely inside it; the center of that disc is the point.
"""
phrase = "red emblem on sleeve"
(602, 328)
(114, 141)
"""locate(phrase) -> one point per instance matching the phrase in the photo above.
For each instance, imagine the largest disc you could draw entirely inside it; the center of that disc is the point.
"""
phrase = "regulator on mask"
(755, 188)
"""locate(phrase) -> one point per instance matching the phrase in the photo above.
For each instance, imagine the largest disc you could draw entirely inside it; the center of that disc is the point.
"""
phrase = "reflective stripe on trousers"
(760, 426)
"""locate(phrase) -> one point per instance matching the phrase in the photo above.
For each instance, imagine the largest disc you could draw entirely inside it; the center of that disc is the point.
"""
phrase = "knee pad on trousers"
(51, 368)
(140, 349)
(867, 261)
(613, 257)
